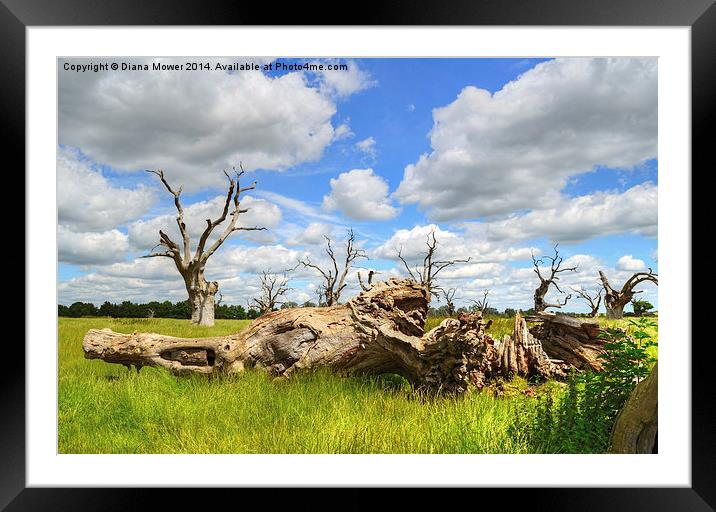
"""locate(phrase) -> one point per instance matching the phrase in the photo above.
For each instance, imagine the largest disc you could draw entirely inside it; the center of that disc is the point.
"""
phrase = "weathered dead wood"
(427, 272)
(523, 354)
(379, 331)
(192, 266)
(636, 427)
(615, 300)
(569, 339)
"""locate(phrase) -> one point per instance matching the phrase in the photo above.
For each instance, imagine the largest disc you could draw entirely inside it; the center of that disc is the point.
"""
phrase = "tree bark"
(379, 331)
(202, 297)
(615, 313)
(636, 427)
(202, 308)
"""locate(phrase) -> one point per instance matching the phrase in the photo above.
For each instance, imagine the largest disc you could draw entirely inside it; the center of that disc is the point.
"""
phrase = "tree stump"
(379, 331)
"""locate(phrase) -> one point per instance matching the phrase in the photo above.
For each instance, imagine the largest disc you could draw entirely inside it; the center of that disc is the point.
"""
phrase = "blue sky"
(502, 157)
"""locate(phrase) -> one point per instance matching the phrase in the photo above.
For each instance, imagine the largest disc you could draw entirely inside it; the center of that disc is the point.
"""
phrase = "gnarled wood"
(615, 300)
(191, 267)
(379, 331)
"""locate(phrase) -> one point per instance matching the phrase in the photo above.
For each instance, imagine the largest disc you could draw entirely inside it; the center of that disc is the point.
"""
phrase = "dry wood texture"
(571, 340)
(379, 331)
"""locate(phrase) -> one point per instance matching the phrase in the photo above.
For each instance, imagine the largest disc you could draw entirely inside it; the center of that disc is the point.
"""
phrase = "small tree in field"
(615, 300)
(641, 307)
(191, 265)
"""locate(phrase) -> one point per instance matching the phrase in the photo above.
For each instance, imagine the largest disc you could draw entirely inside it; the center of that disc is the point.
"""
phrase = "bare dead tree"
(191, 265)
(482, 304)
(593, 298)
(614, 300)
(365, 287)
(334, 279)
(273, 287)
(320, 295)
(449, 296)
(426, 273)
(555, 268)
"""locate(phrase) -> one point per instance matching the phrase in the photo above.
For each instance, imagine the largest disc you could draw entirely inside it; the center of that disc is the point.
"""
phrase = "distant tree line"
(155, 309)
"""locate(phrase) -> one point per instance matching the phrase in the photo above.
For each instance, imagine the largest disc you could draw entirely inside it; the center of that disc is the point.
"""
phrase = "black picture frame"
(700, 15)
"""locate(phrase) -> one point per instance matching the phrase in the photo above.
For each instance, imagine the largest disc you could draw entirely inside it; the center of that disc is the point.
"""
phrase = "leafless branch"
(334, 279)
(449, 296)
(426, 273)
(482, 304)
(366, 287)
(273, 286)
(593, 298)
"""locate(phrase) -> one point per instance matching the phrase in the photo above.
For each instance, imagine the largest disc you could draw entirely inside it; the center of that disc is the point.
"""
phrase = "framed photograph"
(364, 254)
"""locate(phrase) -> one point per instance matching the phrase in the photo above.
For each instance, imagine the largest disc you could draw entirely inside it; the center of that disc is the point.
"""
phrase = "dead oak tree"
(426, 273)
(382, 330)
(615, 300)
(555, 268)
(191, 265)
(334, 279)
(593, 298)
(273, 287)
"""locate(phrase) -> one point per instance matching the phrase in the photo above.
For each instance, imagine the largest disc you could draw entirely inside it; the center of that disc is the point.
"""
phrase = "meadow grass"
(105, 408)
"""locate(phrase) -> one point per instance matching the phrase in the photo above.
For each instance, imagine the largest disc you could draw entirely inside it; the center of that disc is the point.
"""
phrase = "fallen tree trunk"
(379, 331)
(636, 426)
(569, 339)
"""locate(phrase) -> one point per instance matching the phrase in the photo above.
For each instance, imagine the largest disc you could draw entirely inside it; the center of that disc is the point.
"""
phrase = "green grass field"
(105, 408)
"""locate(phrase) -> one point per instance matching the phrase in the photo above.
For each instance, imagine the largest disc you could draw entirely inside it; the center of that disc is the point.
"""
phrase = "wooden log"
(379, 331)
(570, 339)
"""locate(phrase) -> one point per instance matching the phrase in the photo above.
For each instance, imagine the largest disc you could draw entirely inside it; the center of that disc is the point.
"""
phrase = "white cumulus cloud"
(628, 262)
(580, 218)
(343, 83)
(90, 248)
(361, 195)
(195, 126)
(367, 146)
(515, 149)
(87, 201)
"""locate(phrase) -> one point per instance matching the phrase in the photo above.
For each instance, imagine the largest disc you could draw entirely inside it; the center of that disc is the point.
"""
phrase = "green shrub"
(579, 417)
